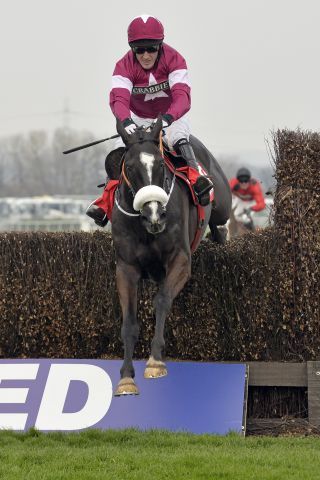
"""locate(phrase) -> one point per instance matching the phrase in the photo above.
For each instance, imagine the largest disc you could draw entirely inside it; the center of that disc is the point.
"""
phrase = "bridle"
(125, 177)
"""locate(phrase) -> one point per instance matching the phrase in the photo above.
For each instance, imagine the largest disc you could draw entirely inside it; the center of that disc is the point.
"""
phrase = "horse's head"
(144, 171)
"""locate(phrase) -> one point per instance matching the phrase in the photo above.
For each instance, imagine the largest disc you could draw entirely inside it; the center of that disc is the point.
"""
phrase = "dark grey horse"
(153, 225)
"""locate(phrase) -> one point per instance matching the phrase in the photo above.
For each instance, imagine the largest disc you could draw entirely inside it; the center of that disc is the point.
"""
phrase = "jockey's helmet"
(143, 28)
(243, 175)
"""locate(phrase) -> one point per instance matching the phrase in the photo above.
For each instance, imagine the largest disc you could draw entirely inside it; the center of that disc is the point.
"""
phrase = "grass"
(130, 454)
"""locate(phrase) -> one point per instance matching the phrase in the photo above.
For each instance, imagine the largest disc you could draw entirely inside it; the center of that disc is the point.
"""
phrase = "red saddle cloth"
(186, 174)
(106, 201)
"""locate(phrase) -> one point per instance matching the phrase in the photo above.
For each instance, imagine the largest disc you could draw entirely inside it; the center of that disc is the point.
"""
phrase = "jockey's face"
(146, 59)
(244, 185)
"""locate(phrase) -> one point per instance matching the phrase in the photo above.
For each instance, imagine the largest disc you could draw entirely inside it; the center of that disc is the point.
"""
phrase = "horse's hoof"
(155, 372)
(126, 386)
(155, 368)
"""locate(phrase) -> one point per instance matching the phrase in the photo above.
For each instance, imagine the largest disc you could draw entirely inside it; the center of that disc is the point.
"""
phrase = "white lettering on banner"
(51, 416)
(17, 371)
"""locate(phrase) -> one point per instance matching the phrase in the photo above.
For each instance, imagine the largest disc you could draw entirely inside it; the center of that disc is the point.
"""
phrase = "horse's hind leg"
(219, 234)
(127, 283)
(217, 223)
(174, 282)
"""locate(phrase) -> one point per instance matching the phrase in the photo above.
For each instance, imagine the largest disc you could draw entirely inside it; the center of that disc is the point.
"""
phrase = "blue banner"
(72, 395)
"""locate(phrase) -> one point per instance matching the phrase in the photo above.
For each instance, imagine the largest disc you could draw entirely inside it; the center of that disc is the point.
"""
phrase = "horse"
(153, 225)
(236, 228)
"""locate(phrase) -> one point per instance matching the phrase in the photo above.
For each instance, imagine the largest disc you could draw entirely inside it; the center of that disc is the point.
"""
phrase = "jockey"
(151, 80)
(247, 196)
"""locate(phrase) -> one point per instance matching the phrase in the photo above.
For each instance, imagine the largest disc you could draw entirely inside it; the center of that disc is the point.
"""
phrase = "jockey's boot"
(202, 184)
(99, 216)
(96, 211)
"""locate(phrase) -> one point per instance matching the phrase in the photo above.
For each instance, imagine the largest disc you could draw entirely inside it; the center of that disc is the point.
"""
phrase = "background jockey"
(152, 79)
(247, 196)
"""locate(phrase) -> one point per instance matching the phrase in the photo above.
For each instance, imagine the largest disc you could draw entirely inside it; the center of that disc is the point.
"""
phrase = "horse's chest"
(148, 256)
(151, 263)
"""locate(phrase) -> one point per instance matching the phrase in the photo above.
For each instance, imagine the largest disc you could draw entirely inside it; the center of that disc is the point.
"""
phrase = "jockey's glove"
(129, 125)
(167, 119)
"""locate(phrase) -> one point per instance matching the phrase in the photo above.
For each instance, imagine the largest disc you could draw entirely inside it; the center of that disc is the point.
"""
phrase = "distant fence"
(45, 213)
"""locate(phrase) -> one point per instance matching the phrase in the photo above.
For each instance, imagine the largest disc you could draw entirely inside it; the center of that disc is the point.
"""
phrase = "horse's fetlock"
(158, 342)
(127, 371)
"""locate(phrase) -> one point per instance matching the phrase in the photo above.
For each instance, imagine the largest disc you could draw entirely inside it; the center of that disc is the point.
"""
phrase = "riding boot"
(202, 184)
(97, 209)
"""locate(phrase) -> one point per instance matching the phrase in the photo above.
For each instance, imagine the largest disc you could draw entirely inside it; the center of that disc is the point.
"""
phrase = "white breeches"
(238, 207)
(177, 130)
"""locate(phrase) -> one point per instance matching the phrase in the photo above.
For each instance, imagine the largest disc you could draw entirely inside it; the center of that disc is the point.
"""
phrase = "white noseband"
(148, 194)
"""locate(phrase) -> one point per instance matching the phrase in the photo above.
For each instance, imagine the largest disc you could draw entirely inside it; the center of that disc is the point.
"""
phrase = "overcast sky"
(254, 65)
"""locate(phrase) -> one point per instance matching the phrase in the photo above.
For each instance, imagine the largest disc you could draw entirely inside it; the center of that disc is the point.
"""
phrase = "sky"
(254, 66)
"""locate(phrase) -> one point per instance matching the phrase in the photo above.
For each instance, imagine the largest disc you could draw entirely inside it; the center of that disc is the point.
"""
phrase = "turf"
(131, 454)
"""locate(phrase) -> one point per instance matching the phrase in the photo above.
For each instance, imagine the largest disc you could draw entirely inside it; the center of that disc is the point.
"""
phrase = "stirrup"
(205, 190)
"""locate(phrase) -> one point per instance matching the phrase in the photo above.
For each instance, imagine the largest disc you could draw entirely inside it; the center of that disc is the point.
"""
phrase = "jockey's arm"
(120, 103)
(233, 182)
(181, 101)
(257, 196)
(121, 88)
(178, 77)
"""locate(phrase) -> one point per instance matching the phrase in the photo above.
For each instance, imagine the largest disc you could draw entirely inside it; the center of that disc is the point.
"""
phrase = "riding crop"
(75, 149)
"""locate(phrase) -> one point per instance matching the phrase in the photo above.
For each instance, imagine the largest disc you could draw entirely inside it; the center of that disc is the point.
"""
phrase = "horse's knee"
(130, 329)
(163, 302)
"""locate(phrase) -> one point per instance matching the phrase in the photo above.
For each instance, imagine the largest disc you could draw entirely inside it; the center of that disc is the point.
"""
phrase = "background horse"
(236, 228)
(153, 225)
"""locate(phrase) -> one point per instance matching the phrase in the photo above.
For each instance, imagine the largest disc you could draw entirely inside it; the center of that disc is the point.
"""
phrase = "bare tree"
(35, 165)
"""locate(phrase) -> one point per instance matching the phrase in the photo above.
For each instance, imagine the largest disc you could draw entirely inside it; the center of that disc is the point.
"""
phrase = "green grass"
(130, 454)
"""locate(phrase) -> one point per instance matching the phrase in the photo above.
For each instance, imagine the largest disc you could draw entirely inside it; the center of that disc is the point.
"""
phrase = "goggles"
(141, 50)
(244, 179)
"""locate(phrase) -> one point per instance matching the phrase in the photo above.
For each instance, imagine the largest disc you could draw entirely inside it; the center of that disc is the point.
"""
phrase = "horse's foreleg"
(127, 283)
(179, 273)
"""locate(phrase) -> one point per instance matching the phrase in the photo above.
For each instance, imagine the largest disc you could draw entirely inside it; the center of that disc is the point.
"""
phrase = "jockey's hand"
(129, 126)
(167, 119)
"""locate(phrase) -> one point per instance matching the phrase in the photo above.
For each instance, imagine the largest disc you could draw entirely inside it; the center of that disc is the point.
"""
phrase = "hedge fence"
(257, 298)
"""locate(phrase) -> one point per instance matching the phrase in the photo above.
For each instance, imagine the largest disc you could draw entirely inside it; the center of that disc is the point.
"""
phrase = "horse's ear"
(157, 128)
(122, 131)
